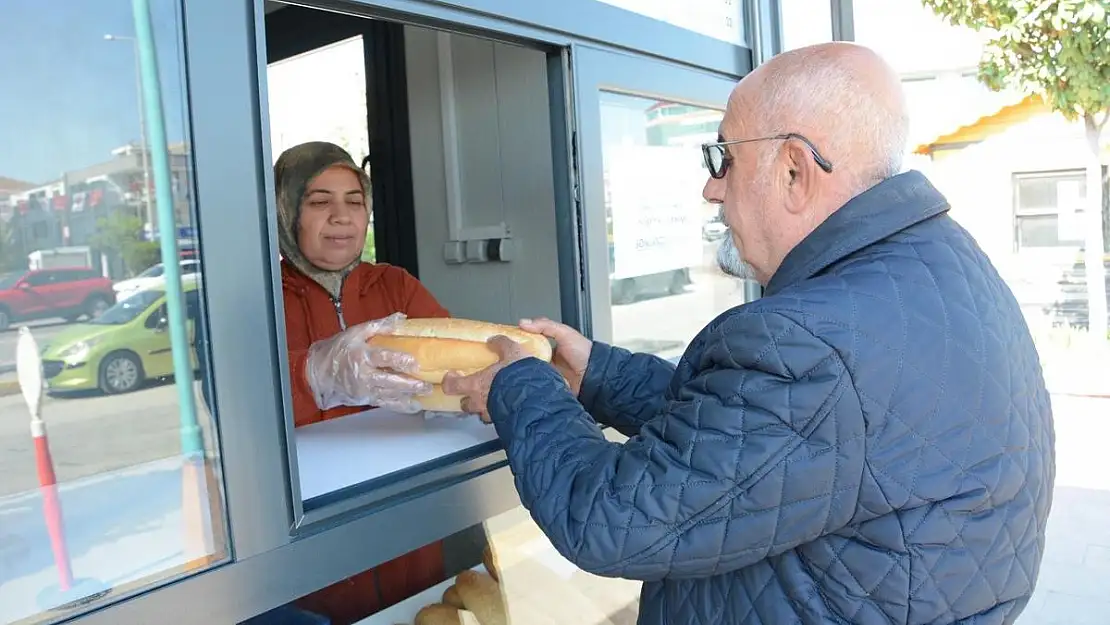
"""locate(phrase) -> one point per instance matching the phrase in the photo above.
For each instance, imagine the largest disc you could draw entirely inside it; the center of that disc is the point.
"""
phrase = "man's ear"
(802, 179)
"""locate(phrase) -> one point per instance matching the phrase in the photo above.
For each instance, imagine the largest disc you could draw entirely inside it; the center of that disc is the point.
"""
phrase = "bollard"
(69, 593)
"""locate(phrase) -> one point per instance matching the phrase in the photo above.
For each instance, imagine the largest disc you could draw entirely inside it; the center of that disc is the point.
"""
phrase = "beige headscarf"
(295, 168)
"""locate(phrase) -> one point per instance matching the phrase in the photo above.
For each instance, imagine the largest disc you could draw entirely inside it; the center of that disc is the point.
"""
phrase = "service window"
(120, 509)
(477, 155)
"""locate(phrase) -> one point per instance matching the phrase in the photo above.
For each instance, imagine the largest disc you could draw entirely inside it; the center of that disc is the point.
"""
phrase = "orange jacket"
(370, 292)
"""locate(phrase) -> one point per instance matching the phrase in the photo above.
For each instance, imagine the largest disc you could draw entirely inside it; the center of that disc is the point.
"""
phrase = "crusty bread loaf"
(482, 596)
(443, 345)
(489, 560)
(451, 597)
(438, 614)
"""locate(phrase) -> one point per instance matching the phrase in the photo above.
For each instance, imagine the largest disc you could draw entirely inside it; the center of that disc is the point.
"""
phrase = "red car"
(66, 292)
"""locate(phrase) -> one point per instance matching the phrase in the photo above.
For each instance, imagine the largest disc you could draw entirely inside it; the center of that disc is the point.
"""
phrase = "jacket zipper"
(339, 311)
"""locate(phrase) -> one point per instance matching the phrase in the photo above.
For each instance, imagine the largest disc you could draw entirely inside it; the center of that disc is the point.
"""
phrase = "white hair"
(863, 129)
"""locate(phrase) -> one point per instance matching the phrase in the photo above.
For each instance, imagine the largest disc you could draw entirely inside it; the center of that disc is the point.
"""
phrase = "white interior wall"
(505, 163)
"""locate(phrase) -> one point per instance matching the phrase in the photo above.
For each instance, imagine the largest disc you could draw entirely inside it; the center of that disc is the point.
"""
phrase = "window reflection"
(81, 253)
(663, 237)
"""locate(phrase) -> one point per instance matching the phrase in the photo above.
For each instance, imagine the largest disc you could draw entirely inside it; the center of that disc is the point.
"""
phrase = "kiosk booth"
(528, 158)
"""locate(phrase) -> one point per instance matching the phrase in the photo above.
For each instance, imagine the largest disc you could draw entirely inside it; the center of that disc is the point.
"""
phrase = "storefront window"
(663, 237)
(129, 495)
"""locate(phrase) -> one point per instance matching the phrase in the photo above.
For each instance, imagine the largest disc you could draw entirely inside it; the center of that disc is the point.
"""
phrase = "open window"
(456, 132)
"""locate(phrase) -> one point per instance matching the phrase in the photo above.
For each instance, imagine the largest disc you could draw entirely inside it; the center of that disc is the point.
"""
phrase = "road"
(88, 435)
(43, 332)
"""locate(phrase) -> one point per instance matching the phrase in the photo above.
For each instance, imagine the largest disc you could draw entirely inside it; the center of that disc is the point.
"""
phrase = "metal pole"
(144, 146)
(192, 442)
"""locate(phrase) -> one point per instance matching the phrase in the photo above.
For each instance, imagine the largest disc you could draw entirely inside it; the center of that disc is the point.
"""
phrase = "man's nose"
(713, 191)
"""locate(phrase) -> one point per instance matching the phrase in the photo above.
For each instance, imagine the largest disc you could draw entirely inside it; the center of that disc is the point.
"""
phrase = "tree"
(120, 233)
(1059, 50)
(12, 255)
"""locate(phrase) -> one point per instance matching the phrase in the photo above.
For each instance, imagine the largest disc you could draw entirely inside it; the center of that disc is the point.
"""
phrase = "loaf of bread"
(446, 344)
(489, 560)
(481, 595)
(451, 597)
(438, 614)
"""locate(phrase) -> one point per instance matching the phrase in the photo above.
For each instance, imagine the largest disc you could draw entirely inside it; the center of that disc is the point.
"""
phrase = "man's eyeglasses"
(717, 158)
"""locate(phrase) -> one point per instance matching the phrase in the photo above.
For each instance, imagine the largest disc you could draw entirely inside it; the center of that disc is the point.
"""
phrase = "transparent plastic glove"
(344, 371)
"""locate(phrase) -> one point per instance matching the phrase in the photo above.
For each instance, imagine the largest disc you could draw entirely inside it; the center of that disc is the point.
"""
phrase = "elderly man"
(870, 442)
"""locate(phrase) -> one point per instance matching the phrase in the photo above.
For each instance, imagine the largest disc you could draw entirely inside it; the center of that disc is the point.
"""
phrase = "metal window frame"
(843, 20)
(560, 23)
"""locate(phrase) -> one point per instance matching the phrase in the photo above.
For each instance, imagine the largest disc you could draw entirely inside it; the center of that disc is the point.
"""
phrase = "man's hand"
(475, 387)
(572, 354)
(572, 350)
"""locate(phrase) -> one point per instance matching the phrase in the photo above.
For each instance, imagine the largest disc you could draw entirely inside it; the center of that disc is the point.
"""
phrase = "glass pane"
(805, 22)
(1046, 231)
(298, 115)
(1051, 192)
(129, 494)
(663, 237)
(720, 19)
(995, 155)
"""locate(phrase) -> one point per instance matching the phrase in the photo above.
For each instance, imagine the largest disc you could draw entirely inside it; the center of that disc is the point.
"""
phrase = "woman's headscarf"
(294, 169)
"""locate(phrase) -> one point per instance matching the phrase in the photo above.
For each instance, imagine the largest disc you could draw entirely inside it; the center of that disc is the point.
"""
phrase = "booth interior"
(456, 133)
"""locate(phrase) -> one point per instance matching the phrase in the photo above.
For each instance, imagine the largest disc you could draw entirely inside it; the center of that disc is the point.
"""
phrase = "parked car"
(121, 349)
(152, 277)
(65, 292)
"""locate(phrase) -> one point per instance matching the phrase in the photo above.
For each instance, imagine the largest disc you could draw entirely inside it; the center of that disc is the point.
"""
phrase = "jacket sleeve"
(762, 450)
(305, 410)
(622, 389)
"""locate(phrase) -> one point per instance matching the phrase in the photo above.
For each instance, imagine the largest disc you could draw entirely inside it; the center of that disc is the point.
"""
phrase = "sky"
(67, 96)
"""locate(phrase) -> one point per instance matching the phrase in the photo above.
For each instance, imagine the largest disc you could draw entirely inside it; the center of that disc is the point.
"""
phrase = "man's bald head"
(841, 97)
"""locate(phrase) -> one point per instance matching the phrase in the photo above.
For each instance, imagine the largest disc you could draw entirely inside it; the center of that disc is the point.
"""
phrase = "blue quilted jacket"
(870, 442)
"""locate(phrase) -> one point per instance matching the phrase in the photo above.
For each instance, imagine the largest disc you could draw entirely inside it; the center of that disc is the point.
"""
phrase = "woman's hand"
(344, 371)
(572, 350)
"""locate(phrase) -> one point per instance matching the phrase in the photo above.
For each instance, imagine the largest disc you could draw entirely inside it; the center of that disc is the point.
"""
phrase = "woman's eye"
(318, 203)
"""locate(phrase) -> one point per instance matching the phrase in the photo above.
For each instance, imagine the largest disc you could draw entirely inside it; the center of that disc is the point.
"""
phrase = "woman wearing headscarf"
(333, 303)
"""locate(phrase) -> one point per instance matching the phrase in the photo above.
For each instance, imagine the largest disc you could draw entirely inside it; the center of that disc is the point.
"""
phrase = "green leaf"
(1058, 49)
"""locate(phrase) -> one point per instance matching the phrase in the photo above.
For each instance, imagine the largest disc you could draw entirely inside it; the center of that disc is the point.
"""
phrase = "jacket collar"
(361, 278)
(883, 210)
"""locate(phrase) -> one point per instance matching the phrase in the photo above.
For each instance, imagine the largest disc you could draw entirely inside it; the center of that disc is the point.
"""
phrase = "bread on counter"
(451, 597)
(438, 614)
(481, 595)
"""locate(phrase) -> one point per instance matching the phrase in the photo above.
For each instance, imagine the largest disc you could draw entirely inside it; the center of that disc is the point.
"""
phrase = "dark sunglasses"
(717, 159)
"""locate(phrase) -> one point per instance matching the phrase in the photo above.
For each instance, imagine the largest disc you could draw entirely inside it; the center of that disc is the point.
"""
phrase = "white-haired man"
(870, 442)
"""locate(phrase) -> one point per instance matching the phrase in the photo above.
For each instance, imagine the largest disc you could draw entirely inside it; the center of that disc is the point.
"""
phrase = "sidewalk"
(121, 527)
